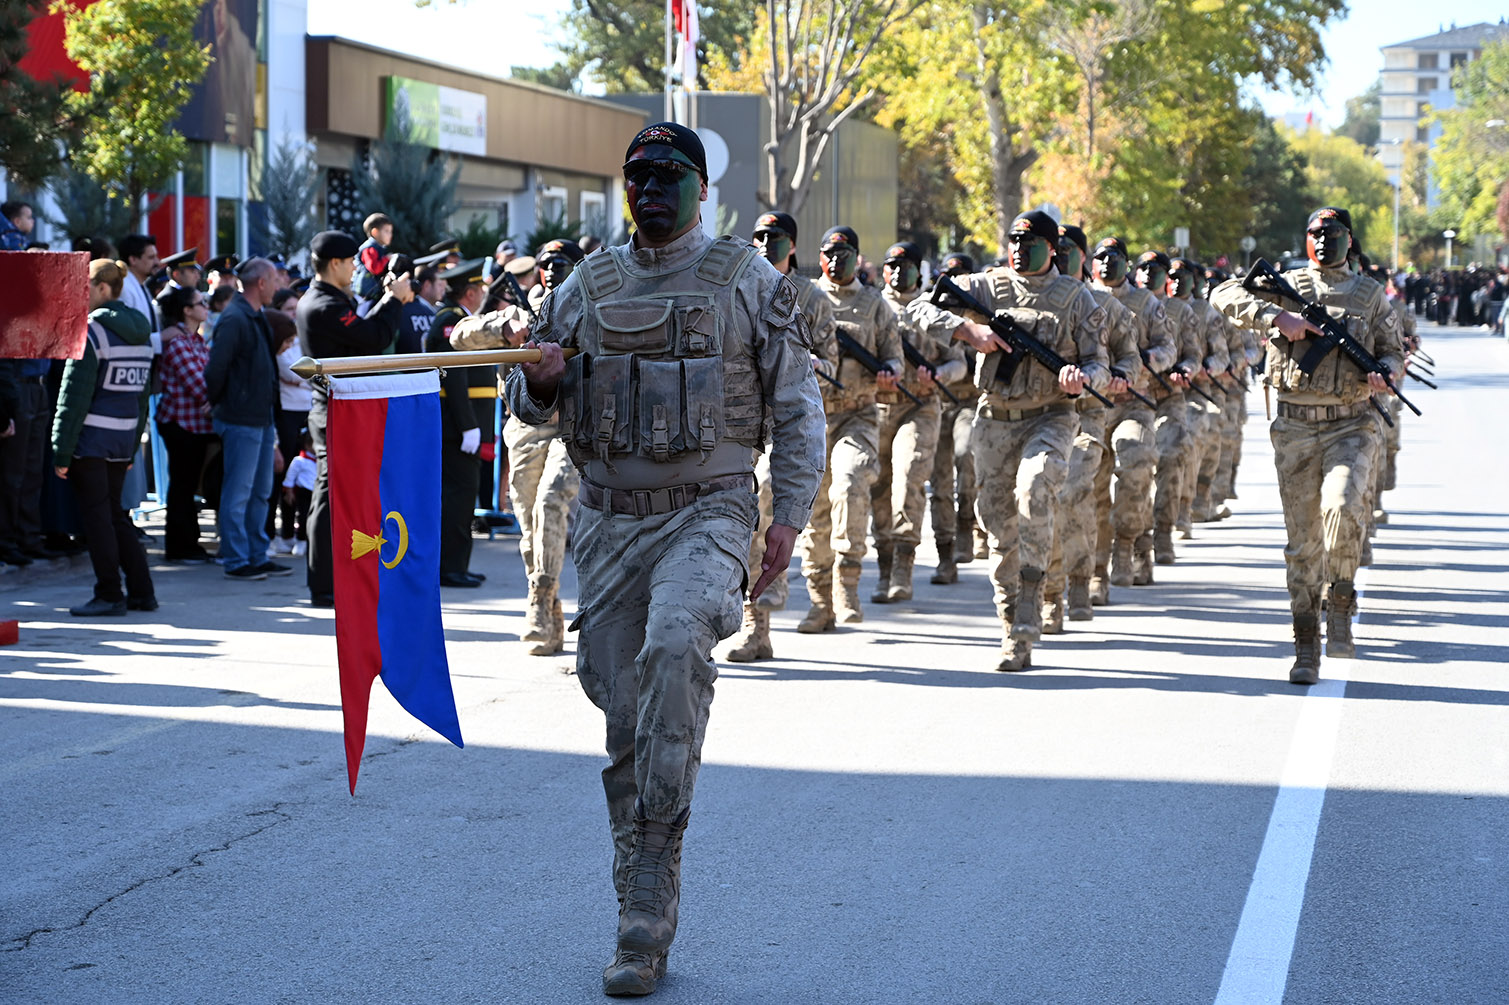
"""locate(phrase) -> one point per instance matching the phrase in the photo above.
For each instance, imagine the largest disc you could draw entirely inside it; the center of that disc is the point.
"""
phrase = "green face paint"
(902, 275)
(1070, 260)
(839, 264)
(774, 245)
(1110, 268)
(1029, 254)
(662, 205)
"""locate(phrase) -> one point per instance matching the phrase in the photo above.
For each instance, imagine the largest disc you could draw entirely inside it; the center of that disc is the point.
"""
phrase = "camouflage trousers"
(908, 443)
(775, 595)
(1233, 419)
(1077, 527)
(841, 513)
(542, 482)
(1135, 455)
(657, 593)
(1202, 453)
(1325, 478)
(1387, 470)
(951, 489)
(1169, 436)
(1020, 468)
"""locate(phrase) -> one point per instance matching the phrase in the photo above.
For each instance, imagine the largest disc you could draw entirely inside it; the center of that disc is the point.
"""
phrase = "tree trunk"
(1006, 167)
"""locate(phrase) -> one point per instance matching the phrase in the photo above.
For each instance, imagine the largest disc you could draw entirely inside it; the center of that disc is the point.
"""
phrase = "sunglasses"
(1022, 237)
(667, 172)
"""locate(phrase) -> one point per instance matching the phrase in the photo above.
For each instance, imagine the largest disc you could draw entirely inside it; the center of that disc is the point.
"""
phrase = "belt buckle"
(643, 501)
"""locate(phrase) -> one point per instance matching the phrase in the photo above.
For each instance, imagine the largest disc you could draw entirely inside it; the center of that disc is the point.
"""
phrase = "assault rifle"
(1181, 371)
(866, 359)
(914, 356)
(946, 294)
(1149, 402)
(1265, 278)
(516, 294)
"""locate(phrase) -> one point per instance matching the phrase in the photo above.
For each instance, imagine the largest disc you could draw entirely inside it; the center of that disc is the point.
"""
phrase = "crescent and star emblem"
(363, 543)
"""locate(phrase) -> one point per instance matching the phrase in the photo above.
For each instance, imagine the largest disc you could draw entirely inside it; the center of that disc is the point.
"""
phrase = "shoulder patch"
(781, 307)
(724, 260)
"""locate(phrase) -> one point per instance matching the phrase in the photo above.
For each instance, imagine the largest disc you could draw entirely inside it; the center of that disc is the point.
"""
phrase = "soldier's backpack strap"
(600, 275)
(805, 291)
(723, 262)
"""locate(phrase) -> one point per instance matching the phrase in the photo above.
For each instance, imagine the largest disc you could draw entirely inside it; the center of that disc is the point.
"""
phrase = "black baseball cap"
(674, 135)
(1037, 223)
(839, 235)
(333, 244)
(1330, 214)
(782, 222)
(906, 250)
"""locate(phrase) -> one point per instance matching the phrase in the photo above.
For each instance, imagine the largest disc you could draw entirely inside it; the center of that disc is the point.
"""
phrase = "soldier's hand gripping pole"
(1334, 335)
(866, 359)
(914, 356)
(947, 293)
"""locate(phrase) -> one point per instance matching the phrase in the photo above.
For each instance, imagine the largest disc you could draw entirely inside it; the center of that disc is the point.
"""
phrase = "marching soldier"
(1203, 448)
(1026, 423)
(775, 238)
(865, 326)
(705, 339)
(908, 431)
(1325, 437)
(1245, 352)
(951, 489)
(470, 398)
(1170, 427)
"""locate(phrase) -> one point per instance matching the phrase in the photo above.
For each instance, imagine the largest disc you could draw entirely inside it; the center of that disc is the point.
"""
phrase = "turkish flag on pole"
(684, 19)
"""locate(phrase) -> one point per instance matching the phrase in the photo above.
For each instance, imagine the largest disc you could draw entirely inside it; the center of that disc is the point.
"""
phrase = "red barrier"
(44, 304)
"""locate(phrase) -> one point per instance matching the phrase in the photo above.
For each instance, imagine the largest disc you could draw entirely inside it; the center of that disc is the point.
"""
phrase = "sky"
(489, 36)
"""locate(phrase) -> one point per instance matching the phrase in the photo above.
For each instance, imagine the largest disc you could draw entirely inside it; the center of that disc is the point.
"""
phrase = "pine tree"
(86, 207)
(414, 185)
(37, 125)
(290, 188)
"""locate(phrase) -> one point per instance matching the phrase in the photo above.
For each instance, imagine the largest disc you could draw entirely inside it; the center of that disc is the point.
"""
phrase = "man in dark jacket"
(329, 326)
(241, 381)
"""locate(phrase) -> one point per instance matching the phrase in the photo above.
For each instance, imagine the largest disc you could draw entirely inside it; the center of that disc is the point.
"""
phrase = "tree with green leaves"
(289, 189)
(1471, 160)
(143, 62)
(1279, 190)
(86, 209)
(563, 76)
(621, 43)
(1341, 172)
(414, 185)
(1363, 114)
(38, 124)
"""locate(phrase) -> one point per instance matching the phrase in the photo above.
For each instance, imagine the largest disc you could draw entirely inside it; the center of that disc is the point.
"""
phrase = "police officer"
(951, 489)
(419, 313)
(1026, 423)
(469, 401)
(909, 432)
(1325, 437)
(841, 515)
(686, 346)
(329, 326)
(775, 237)
(1130, 426)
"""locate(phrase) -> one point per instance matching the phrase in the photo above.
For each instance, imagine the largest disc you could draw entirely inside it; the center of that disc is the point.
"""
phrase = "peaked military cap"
(1076, 235)
(464, 274)
(956, 261)
(1156, 257)
(1330, 214)
(183, 260)
(1112, 244)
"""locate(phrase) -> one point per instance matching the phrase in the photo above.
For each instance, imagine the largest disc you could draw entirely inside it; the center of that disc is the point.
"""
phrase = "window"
(1425, 85)
(1457, 59)
(552, 204)
(1430, 61)
(1422, 134)
(594, 214)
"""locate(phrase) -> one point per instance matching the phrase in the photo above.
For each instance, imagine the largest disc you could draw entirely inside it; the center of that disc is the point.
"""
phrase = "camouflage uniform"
(909, 440)
(1133, 450)
(951, 488)
(542, 482)
(1387, 475)
(1325, 440)
(1204, 444)
(685, 352)
(841, 515)
(1243, 349)
(1023, 434)
(1171, 433)
(1075, 543)
(754, 636)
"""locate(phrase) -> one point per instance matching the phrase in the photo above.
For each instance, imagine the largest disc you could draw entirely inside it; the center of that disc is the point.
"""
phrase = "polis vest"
(664, 369)
(124, 375)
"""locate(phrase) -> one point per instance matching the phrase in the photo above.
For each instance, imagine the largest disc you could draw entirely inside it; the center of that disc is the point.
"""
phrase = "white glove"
(471, 441)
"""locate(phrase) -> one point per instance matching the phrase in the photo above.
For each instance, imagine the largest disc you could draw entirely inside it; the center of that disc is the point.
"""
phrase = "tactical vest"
(1140, 302)
(664, 369)
(806, 296)
(1045, 315)
(859, 317)
(124, 375)
(1336, 376)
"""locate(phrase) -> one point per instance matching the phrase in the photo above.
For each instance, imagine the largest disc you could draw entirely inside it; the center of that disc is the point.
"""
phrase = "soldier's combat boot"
(1339, 620)
(1142, 560)
(1053, 614)
(982, 543)
(1028, 625)
(631, 975)
(948, 566)
(1163, 545)
(1366, 558)
(846, 609)
(1121, 561)
(884, 559)
(1306, 669)
(901, 573)
(753, 642)
(964, 539)
(1100, 587)
(537, 611)
(820, 615)
(546, 610)
(1080, 606)
(647, 918)
(1182, 522)
(1016, 654)
(1380, 517)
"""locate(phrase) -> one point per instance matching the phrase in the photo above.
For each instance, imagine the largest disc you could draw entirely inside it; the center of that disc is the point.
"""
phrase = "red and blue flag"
(381, 442)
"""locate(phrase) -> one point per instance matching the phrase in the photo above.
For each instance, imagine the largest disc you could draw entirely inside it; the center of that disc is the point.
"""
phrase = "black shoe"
(10, 556)
(148, 603)
(479, 577)
(274, 569)
(196, 557)
(458, 579)
(98, 607)
(65, 544)
(322, 600)
(246, 572)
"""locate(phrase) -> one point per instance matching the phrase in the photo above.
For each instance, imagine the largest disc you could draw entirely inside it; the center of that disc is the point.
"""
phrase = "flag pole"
(350, 366)
(668, 115)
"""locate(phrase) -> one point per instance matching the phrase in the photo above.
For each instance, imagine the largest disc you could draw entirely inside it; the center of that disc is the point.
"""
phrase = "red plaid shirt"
(184, 399)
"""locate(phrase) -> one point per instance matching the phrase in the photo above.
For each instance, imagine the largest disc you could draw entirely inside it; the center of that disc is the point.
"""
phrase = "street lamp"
(1448, 234)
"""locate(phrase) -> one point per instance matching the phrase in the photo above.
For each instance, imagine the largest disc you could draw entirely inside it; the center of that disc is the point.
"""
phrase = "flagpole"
(668, 116)
(350, 366)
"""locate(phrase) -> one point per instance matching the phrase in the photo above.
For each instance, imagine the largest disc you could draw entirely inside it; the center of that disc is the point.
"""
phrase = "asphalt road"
(1153, 814)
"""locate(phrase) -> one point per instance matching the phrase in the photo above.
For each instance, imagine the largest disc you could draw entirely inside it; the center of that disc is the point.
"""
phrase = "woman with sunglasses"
(183, 419)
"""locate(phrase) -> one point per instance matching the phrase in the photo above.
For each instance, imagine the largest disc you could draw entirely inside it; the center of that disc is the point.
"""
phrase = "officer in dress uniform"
(469, 400)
